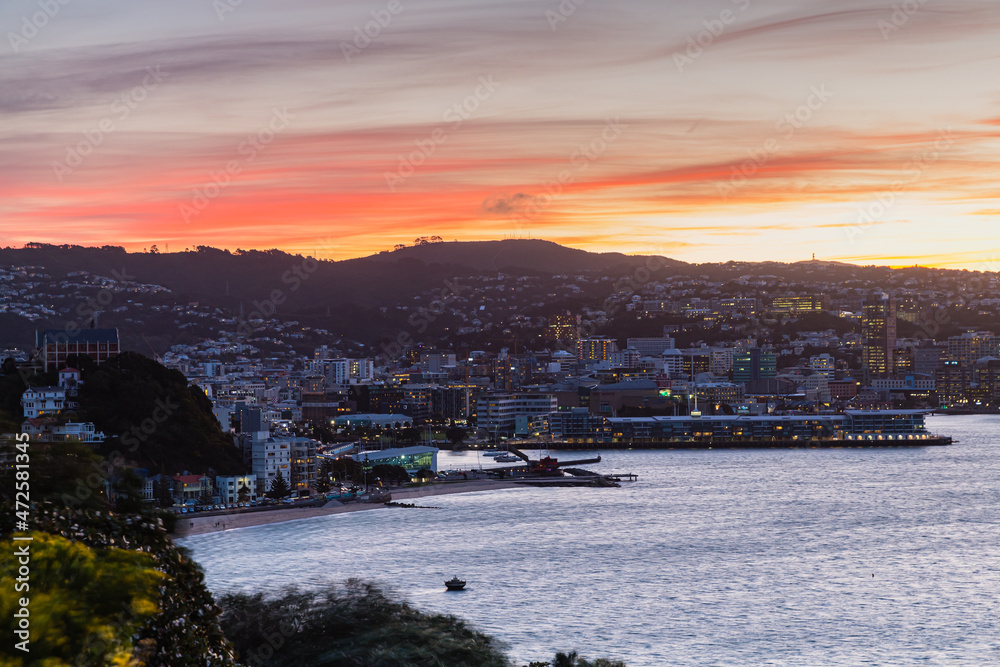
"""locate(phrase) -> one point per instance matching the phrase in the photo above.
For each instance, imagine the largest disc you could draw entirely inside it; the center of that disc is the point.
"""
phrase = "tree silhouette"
(326, 469)
(279, 488)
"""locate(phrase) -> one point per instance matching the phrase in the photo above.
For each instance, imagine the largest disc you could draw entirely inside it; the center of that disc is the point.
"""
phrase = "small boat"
(506, 458)
(492, 452)
(455, 584)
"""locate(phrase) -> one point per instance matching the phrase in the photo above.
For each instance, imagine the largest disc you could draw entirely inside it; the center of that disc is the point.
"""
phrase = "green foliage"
(164, 492)
(163, 424)
(355, 625)
(128, 491)
(185, 630)
(409, 434)
(83, 602)
(455, 434)
(424, 474)
(573, 660)
(68, 471)
(348, 470)
(279, 488)
(389, 474)
(326, 471)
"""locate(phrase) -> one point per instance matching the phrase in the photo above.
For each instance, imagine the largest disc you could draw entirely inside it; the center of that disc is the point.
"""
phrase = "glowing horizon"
(749, 130)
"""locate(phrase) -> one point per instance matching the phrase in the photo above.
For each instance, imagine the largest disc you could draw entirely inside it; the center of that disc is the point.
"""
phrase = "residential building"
(228, 488)
(270, 457)
(303, 464)
(47, 430)
(823, 364)
(192, 487)
(564, 327)
(594, 349)
(43, 401)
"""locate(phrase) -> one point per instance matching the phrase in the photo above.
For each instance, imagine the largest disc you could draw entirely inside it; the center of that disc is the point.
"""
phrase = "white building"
(816, 388)
(823, 364)
(362, 370)
(497, 413)
(627, 358)
(44, 430)
(722, 360)
(336, 371)
(562, 362)
(39, 401)
(651, 347)
(673, 363)
(269, 458)
(228, 487)
(69, 379)
(346, 371)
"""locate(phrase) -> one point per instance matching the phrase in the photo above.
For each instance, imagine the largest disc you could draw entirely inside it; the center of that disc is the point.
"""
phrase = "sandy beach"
(199, 525)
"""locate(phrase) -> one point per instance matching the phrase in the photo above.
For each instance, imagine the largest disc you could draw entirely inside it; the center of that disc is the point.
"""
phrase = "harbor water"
(874, 556)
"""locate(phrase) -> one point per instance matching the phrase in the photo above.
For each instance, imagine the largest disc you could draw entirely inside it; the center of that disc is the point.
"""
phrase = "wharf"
(839, 443)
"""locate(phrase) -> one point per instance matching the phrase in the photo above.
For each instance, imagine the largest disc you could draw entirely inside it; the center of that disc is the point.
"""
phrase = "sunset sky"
(700, 130)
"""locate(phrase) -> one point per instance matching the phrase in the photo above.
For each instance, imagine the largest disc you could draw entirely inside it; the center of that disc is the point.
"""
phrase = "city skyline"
(745, 130)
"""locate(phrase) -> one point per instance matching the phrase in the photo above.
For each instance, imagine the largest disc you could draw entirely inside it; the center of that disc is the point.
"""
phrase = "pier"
(837, 443)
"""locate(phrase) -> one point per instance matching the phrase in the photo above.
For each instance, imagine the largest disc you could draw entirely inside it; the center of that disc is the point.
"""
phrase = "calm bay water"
(747, 557)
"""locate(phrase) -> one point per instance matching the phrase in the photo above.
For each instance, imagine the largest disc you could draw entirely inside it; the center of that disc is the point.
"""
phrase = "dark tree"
(354, 625)
(279, 488)
(163, 492)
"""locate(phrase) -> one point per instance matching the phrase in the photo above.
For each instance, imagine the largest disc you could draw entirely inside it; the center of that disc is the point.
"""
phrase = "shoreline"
(202, 525)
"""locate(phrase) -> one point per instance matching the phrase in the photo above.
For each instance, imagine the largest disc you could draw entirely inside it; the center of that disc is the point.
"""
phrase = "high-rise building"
(753, 365)
(972, 346)
(878, 327)
(564, 327)
(303, 462)
(597, 348)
